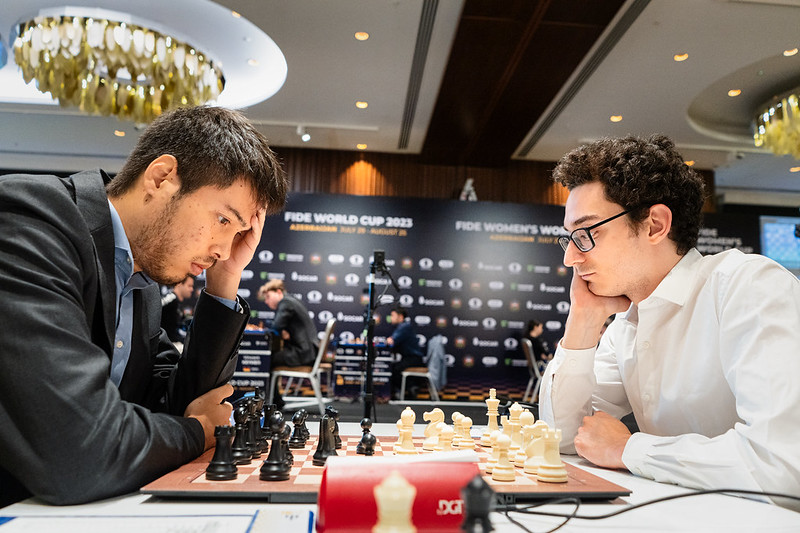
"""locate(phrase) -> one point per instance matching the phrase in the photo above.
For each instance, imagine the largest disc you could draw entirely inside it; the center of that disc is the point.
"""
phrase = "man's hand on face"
(587, 314)
(602, 439)
(223, 278)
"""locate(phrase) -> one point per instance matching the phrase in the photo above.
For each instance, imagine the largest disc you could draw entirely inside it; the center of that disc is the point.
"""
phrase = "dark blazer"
(301, 347)
(67, 434)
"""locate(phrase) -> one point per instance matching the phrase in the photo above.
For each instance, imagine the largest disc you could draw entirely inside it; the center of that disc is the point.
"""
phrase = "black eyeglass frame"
(564, 240)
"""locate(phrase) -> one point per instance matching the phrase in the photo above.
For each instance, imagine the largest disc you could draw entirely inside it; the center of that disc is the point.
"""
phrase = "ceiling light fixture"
(790, 53)
(361, 104)
(680, 57)
(361, 146)
(106, 66)
(361, 35)
(777, 125)
(615, 118)
(304, 135)
(734, 92)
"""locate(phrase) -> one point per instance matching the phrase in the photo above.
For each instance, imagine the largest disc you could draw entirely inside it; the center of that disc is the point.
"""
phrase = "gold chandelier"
(777, 127)
(107, 67)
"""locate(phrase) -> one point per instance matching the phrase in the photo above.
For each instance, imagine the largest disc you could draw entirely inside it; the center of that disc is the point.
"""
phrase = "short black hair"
(637, 173)
(402, 311)
(213, 146)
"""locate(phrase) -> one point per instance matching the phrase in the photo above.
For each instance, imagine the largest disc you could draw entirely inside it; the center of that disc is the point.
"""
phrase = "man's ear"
(161, 177)
(660, 223)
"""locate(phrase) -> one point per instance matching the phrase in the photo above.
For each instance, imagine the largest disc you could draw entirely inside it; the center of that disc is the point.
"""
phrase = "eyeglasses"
(582, 237)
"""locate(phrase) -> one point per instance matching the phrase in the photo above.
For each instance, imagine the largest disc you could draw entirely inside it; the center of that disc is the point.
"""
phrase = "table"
(137, 512)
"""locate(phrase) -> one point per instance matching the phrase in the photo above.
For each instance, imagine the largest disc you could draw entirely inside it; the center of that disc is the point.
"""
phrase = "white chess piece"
(495, 451)
(405, 446)
(466, 442)
(433, 417)
(457, 417)
(491, 411)
(503, 470)
(526, 420)
(551, 469)
(394, 497)
(445, 443)
(514, 426)
(534, 452)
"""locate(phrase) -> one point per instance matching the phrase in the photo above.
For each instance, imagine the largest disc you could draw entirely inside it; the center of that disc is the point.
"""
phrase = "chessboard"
(303, 485)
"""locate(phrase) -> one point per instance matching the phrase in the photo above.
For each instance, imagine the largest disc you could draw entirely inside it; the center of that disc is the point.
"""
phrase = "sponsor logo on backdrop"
(304, 278)
(489, 361)
(315, 259)
(331, 279)
(450, 359)
(515, 324)
(406, 300)
(475, 286)
(347, 337)
(522, 287)
(247, 274)
(441, 321)
(489, 267)
(290, 258)
(468, 361)
(455, 284)
(341, 298)
(557, 289)
(273, 275)
(450, 507)
(552, 325)
(336, 259)
(510, 343)
(515, 268)
(474, 303)
(314, 297)
(324, 316)
(456, 303)
(406, 263)
(422, 320)
(352, 279)
(364, 299)
(432, 283)
(540, 269)
(497, 285)
(265, 256)
(531, 306)
(426, 263)
(244, 293)
(341, 317)
(446, 264)
(386, 299)
(356, 260)
(494, 303)
(430, 302)
(464, 323)
(513, 305)
(489, 323)
(562, 271)
(405, 282)
(460, 342)
(485, 343)
(562, 307)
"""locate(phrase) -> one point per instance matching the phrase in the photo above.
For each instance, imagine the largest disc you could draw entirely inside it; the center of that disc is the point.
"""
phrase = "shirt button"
(645, 345)
(646, 398)
(120, 344)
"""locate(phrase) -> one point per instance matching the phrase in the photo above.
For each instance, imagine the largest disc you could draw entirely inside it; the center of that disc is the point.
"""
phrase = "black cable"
(567, 518)
(527, 509)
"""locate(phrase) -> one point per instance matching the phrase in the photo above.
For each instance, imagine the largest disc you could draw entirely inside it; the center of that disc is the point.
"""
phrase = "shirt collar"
(123, 256)
(677, 284)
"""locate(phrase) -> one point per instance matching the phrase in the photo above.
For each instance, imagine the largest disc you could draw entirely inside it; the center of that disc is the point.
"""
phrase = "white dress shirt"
(709, 364)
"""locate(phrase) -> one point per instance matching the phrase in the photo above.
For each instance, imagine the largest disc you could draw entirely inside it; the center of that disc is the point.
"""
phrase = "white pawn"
(405, 445)
(466, 442)
(445, 442)
(514, 426)
(551, 469)
(503, 470)
(457, 417)
(526, 419)
(491, 404)
(434, 418)
(492, 461)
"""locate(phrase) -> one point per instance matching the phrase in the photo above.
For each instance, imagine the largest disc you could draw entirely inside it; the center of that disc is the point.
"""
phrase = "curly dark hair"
(213, 146)
(637, 173)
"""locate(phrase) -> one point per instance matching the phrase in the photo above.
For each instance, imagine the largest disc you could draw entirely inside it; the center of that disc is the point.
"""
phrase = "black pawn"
(222, 466)
(326, 446)
(478, 497)
(366, 446)
(303, 427)
(265, 430)
(287, 453)
(298, 438)
(334, 415)
(254, 442)
(274, 467)
(241, 451)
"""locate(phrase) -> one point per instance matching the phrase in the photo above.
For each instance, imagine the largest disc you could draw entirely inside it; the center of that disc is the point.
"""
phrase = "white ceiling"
(731, 44)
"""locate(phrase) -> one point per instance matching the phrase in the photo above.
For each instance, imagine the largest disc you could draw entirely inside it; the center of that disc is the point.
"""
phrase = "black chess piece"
(303, 426)
(298, 438)
(222, 466)
(274, 467)
(254, 441)
(265, 430)
(326, 446)
(478, 497)
(240, 449)
(287, 452)
(334, 415)
(260, 399)
(366, 446)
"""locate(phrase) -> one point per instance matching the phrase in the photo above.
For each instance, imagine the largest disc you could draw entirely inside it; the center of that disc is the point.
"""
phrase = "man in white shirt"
(704, 351)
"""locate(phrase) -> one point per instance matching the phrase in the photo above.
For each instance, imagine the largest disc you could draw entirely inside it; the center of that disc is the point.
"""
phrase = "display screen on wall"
(780, 240)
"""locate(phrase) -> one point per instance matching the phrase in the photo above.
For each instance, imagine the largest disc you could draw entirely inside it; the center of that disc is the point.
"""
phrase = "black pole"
(369, 397)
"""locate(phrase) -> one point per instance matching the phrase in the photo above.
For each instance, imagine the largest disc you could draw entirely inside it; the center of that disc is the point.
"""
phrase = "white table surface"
(138, 512)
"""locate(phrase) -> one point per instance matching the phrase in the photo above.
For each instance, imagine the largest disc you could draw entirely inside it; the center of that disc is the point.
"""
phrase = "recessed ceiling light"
(734, 92)
(794, 169)
(689, 163)
(362, 35)
(361, 146)
(236, 14)
(615, 118)
(681, 57)
(789, 53)
(362, 104)
(119, 133)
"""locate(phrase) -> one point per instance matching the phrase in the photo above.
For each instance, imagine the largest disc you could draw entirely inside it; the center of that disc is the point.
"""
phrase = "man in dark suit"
(295, 328)
(404, 342)
(94, 399)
